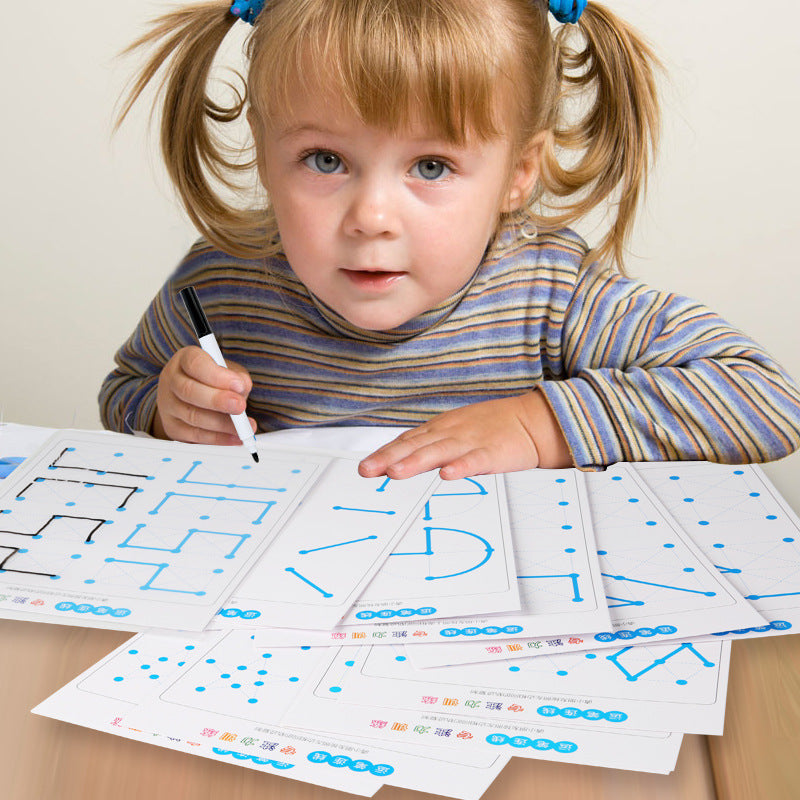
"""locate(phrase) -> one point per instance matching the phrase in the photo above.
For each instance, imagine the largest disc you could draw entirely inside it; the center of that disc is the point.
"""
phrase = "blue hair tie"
(567, 10)
(247, 10)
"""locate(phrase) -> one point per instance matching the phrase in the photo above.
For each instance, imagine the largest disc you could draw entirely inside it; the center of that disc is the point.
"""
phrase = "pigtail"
(194, 153)
(616, 136)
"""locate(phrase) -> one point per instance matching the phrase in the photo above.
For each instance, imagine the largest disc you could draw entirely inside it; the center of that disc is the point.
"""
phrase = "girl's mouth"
(373, 280)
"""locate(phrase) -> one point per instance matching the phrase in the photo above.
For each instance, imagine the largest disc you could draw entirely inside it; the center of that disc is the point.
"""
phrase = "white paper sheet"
(658, 584)
(216, 690)
(744, 526)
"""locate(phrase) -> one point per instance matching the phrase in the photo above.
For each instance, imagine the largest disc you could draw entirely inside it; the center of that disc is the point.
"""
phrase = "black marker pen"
(208, 342)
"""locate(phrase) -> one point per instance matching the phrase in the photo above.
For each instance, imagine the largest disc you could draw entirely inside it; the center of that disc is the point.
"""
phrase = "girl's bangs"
(382, 65)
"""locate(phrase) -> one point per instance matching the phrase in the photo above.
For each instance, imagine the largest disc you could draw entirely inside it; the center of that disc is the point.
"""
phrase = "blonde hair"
(447, 62)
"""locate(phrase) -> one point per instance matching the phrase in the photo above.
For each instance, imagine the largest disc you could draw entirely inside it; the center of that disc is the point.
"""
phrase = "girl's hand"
(506, 435)
(196, 397)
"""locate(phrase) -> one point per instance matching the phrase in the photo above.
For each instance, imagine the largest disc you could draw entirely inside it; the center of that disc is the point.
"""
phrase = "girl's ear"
(525, 173)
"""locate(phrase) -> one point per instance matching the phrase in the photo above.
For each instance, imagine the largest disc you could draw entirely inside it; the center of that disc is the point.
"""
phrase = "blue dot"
(305, 647)
(218, 571)
(669, 546)
(702, 522)
(788, 539)
(633, 500)
(118, 455)
(197, 688)
(133, 652)
(211, 661)
(335, 689)
(719, 546)
(650, 522)
(688, 569)
(602, 552)
(188, 646)
(262, 672)
(266, 655)
(145, 666)
(89, 580)
(674, 477)
(566, 527)
(252, 700)
(681, 682)
(204, 516)
(153, 677)
(688, 499)
(166, 459)
(75, 556)
(71, 503)
(225, 675)
(163, 658)
(349, 663)
(569, 550)
(241, 667)
(399, 658)
(616, 478)
(591, 655)
(246, 466)
(118, 679)
(236, 686)
(755, 494)
(293, 679)
(259, 683)
(563, 502)
(771, 516)
(738, 472)
(561, 672)
(513, 669)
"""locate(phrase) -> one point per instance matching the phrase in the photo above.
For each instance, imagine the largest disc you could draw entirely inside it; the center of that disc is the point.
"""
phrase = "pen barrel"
(240, 421)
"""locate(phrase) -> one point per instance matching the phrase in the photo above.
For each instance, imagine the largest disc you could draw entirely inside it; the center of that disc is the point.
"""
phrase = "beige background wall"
(89, 227)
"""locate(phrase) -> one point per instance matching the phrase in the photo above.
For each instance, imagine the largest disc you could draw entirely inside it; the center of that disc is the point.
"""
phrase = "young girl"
(410, 265)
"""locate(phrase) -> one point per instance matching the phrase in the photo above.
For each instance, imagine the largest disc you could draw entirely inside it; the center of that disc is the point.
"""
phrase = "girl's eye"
(430, 169)
(324, 162)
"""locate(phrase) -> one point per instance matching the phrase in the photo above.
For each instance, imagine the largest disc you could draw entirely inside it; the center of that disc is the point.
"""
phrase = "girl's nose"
(371, 210)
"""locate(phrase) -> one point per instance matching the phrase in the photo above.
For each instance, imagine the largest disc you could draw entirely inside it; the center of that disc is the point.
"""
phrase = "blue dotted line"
(644, 633)
(387, 613)
(775, 625)
(491, 630)
(238, 612)
(254, 759)
(593, 714)
(356, 765)
(536, 744)
(85, 608)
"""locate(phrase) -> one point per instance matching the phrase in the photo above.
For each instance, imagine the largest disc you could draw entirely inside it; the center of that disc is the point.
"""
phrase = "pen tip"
(255, 457)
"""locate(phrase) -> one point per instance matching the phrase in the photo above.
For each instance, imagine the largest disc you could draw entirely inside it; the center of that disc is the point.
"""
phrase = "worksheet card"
(329, 550)
(151, 533)
(115, 527)
(658, 584)
(456, 558)
(744, 526)
(217, 691)
(557, 572)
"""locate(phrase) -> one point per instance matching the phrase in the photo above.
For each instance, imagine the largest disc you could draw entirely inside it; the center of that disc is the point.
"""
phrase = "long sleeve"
(653, 376)
(127, 396)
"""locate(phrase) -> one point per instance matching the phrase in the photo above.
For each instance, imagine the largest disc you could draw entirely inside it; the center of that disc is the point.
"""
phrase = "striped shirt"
(631, 373)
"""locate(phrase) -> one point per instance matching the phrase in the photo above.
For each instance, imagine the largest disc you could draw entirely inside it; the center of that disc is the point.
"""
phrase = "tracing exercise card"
(744, 526)
(218, 691)
(557, 574)
(328, 550)
(375, 691)
(456, 559)
(98, 527)
(659, 585)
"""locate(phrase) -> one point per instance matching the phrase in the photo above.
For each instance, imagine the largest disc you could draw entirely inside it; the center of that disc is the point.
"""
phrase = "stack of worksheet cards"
(295, 618)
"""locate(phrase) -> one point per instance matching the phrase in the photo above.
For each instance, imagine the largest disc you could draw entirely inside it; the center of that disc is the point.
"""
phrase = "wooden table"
(758, 758)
